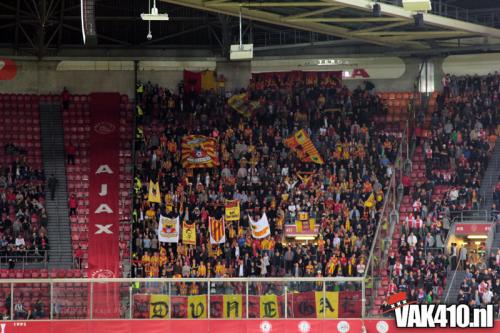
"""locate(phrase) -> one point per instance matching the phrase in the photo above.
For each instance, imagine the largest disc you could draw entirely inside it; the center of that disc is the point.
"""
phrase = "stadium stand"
(345, 196)
(22, 195)
(453, 148)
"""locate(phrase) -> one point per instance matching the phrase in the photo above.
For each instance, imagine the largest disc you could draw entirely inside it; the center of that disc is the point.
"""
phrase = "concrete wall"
(43, 78)
(237, 74)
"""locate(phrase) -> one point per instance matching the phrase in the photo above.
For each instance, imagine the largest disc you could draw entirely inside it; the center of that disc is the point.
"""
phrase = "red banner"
(472, 228)
(103, 250)
(383, 325)
(192, 82)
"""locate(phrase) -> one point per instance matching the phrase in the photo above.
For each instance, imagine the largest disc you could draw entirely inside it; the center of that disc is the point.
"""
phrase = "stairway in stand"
(52, 137)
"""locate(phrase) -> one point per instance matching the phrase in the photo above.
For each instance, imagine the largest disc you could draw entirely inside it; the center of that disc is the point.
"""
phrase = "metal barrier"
(140, 298)
(470, 216)
(389, 216)
(25, 259)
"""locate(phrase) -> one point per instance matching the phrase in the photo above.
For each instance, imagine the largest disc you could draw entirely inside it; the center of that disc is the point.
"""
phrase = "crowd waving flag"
(217, 230)
(232, 210)
(302, 145)
(199, 151)
(260, 228)
(242, 105)
(168, 229)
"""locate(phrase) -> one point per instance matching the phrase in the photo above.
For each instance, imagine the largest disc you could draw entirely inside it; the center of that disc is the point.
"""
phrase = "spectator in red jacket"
(406, 184)
(71, 152)
(73, 205)
(78, 258)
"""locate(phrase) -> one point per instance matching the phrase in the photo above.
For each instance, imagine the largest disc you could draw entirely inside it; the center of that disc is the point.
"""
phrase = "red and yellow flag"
(217, 230)
(302, 145)
(199, 151)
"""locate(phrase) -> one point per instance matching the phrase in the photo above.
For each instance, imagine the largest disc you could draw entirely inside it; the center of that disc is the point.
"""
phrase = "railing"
(377, 260)
(479, 216)
(452, 281)
(25, 259)
(160, 298)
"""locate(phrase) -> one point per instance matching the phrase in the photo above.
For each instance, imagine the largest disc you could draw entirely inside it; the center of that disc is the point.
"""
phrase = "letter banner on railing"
(344, 304)
(383, 325)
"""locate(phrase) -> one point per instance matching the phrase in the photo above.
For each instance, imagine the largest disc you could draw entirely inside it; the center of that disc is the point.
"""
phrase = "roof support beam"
(383, 27)
(315, 12)
(346, 19)
(234, 9)
(429, 19)
(411, 33)
(270, 4)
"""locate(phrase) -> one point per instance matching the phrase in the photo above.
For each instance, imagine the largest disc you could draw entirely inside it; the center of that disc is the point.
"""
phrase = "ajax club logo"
(104, 128)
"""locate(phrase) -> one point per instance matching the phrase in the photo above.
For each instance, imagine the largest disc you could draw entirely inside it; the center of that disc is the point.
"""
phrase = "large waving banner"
(168, 230)
(300, 305)
(260, 228)
(302, 145)
(242, 105)
(199, 151)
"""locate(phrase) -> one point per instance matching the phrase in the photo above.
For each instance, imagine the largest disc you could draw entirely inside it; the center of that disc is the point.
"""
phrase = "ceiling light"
(154, 15)
(305, 238)
(477, 237)
(417, 5)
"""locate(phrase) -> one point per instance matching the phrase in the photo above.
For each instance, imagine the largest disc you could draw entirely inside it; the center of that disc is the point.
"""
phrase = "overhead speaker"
(419, 20)
(376, 10)
(89, 32)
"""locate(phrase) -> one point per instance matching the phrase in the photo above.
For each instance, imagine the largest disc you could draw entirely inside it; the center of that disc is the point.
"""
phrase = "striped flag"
(217, 230)
(302, 145)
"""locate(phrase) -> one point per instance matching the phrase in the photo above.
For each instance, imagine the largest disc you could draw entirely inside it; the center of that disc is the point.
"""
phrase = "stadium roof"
(352, 20)
(52, 28)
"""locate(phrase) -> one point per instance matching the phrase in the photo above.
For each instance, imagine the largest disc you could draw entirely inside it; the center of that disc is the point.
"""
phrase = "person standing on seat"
(71, 152)
(73, 205)
(52, 186)
(65, 98)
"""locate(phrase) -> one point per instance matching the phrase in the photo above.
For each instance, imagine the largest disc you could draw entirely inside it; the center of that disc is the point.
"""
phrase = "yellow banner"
(269, 307)
(159, 307)
(154, 192)
(312, 224)
(232, 210)
(197, 307)
(233, 306)
(329, 305)
(303, 216)
(208, 80)
(188, 234)
(298, 224)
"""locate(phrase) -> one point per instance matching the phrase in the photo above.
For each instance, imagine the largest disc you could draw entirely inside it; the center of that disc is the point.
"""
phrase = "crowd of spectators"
(345, 194)
(23, 219)
(481, 286)
(456, 151)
